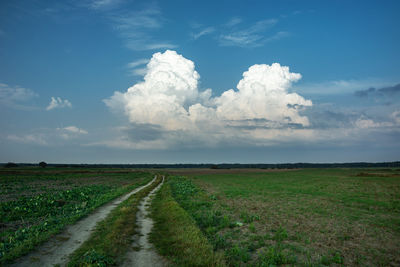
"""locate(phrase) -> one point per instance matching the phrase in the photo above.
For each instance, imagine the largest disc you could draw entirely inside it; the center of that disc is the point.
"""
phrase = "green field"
(36, 203)
(310, 217)
(211, 217)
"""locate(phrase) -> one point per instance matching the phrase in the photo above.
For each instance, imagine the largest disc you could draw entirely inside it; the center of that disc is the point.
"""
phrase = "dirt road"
(56, 250)
(143, 253)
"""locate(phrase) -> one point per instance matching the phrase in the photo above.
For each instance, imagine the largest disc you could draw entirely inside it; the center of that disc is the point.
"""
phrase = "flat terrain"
(308, 217)
(209, 217)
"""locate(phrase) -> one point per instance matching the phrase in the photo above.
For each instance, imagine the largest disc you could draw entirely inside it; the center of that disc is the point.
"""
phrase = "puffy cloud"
(169, 84)
(170, 105)
(57, 102)
(263, 95)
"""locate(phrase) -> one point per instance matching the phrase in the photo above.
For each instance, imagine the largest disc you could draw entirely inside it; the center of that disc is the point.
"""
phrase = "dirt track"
(56, 250)
(144, 253)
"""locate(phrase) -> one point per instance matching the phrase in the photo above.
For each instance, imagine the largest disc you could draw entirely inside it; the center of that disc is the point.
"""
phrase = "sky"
(119, 81)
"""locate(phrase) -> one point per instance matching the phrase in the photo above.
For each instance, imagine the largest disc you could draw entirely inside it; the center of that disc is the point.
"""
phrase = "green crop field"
(37, 203)
(211, 217)
(309, 217)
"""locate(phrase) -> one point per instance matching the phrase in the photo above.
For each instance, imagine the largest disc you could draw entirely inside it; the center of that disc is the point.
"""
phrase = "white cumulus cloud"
(263, 94)
(57, 102)
(170, 99)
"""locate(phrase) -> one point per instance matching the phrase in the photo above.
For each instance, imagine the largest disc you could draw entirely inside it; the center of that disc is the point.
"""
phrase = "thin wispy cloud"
(356, 87)
(233, 22)
(15, 96)
(277, 36)
(33, 139)
(144, 19)
(70, 132)
(139, 29)
(253, 36)
(74, 129)
(138, 62)
(231, 34)
(385, 91)
(57, 102)
(104, 4)
(139, 71)
(137, 68)
(156, 46)
(203, 32)
(49, 136)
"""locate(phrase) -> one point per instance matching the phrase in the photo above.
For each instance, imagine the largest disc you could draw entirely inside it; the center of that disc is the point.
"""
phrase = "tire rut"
(143, 252)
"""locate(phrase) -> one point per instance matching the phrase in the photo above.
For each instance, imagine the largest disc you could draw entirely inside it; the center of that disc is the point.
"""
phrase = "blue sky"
(214, 96)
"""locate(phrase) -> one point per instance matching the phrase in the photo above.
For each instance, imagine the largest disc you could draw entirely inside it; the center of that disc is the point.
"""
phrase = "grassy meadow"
(308, 217)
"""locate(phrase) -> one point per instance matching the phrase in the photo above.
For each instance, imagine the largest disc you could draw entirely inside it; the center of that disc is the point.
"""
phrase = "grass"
(36, 204)
(113, 236)
(175, 233)
(309, 217)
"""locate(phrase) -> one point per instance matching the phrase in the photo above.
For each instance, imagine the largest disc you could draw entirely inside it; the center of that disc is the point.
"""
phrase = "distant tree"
(10, 165)
(42, 164)
(214, 166)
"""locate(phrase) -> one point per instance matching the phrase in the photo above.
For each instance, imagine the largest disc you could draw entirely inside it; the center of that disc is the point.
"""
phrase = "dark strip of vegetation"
(113, 236)
(176, 235)
(394, 164)
(31, 220)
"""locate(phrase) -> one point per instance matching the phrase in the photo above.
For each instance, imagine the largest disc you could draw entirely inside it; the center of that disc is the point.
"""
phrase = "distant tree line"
(42, 164)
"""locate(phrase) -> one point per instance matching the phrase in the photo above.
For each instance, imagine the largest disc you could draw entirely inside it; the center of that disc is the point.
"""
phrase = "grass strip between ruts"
(176, 235)
(113, 236)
